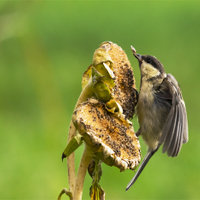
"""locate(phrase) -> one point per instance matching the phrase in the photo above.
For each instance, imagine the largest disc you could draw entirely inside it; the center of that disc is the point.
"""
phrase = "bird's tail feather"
(143, 164)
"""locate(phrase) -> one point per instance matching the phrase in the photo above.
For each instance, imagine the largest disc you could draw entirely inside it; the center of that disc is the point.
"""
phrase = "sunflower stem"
(86, 92)
(83, 166)
(71, 161)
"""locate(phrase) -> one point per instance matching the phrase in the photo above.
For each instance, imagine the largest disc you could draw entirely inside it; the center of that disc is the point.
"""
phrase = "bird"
(161, 111)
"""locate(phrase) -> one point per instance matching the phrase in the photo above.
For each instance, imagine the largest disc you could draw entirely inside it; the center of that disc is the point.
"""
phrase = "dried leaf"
(86, 76)
(95, 169)
(74, 143)
(96, 192)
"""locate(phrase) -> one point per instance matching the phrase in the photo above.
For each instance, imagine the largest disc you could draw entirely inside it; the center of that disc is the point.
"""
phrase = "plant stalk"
(83, 166)
(87, 90)
(71, 161)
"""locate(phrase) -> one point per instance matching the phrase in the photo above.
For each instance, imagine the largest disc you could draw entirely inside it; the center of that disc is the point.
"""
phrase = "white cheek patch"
(148, 70)
(157, 73)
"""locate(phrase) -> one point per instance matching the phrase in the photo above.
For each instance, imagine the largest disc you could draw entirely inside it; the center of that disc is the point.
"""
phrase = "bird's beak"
(138, 56)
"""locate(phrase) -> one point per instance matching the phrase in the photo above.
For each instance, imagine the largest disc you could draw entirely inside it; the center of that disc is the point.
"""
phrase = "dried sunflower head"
(102, 121)
(113, 141)
(101, 116)
(124, 91)
(111, 77)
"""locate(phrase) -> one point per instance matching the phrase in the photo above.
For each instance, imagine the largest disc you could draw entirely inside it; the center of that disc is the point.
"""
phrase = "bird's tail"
(143, 164)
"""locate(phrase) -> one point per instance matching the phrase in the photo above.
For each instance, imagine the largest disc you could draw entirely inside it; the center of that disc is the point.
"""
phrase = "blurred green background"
(45, 46)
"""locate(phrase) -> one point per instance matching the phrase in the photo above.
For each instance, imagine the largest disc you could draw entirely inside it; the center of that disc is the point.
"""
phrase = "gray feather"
(175, 131)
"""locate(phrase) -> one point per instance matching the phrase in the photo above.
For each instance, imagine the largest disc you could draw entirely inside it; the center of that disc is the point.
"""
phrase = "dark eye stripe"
(149, 61)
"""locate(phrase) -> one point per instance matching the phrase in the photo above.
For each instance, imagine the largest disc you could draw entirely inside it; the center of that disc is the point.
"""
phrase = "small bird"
(161, 111)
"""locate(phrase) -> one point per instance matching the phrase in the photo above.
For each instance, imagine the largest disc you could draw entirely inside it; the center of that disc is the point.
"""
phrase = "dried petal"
(101, 55)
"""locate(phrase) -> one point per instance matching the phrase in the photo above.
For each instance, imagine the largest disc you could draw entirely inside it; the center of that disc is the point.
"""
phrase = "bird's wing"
(175, 131)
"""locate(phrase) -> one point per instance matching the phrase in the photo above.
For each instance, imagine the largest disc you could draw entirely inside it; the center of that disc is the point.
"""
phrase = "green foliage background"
(45, 46)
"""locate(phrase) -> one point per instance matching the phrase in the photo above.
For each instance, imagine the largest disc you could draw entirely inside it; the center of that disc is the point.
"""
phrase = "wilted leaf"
(96, 192)
(101, 54)
(86, 76)
(95, 169)
(102, 91)
(67, 192)
(74, 143)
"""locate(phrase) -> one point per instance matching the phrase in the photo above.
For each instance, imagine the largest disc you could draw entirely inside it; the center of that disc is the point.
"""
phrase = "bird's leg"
(137, 133)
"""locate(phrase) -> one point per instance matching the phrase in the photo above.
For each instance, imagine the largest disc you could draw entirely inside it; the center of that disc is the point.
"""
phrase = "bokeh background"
(45, 46)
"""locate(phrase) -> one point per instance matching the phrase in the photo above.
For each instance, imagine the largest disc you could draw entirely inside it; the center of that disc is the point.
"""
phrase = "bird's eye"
(149, 61)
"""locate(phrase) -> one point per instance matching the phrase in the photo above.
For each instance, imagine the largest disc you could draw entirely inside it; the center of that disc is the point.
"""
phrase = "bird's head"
(151, 68)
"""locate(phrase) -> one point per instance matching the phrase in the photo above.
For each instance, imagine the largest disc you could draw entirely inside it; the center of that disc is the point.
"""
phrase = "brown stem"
(71, 161)
(85, 161)
(72, 131)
